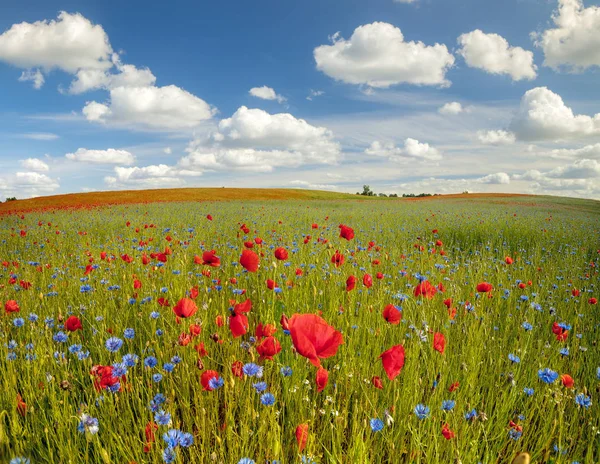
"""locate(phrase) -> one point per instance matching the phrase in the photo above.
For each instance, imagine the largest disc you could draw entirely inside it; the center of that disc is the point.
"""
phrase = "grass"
(554, 245)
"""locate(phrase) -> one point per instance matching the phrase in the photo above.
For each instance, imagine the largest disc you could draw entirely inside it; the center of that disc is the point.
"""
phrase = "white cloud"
(405, 1)
(449, 186)
(413, 149)
(575, 41)
(498, 178)
(580, 169)
(27, 184)
(34, 164)
(314, 93)
(168, 108)
(152, 176)
(493, 54)
(377, 55)
(451, 108)
(254, 140)
(496, 137)
(167, 151)
(110, 156)
(33, 76)
(39, 136)
(69, 43)
(543, 115)
(128, 76)
(266, 93)
(309, 185)
(589, 152)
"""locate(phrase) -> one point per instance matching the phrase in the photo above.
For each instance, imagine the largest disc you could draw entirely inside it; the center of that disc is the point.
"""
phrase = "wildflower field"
(321, 331)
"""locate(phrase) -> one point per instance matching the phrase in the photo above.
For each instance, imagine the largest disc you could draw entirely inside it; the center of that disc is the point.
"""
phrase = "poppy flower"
(350, 283)
(484, 287)
(393, 361)
(219, 321)
(162, 301)
(284, 321)
(238, 324)
(425, 289)
(508, 260)
(73, 323)
(453, 387)
(321, 379)
(11, 306)
(249, 260)
(268, 348)
(439, 342)
(137, 284)
(206, 377)
(209, 258)
(104, 377)
(379, 275)
(271, 284)
(281, 254)
(448, 302)
(575, 292)
(236, 369)
(338, 259)
(185, 308)
(126, 258)
(367, 280)
(377, 383)
(593, 301)
(346, 232)
(567, 381)
(301, 436)
(195, 330)
(313, 338)
(447, 433)
(392, 315)
(266, 330)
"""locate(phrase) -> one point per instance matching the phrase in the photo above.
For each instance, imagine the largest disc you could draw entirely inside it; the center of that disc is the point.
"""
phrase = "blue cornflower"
(515, 434)
(186, 440)
(471, 415)
(20, 460)
(253, 370)
(267, 399)
(85, 289)
(19, 322)
(514, 358)
(169, 455)
(172, 438)
(130, 359)
(13, 344)
(154, 315)
(83, 355)
(88, 424)
(60, 337)
(129, 333)
(150, 361)
(175, 359)
(162, 418)
(113, 344)
(11, 356)
(448, 405)
(157, 377)
(376, 425)
(421, 411)
(528, 391)
(583, 400)
(74, 349)
(598, 373)
(260, 386)
(286, 371)
(33, 317)
(246, 460)
(547, 375)
(168, 367)
(216, 382)
(159, 332)
(119, 369)
(527, 326)
(564, 351)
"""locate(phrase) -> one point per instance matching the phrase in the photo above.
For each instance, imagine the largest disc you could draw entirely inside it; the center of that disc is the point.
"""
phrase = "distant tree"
(367, 191)
(393, 195)
(383, 195)
(465, 192)
(11, 199)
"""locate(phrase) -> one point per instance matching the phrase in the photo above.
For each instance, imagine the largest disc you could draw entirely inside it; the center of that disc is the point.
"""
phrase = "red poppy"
(194, 293)
(206, 377)
(162, 301)
(425, 289)
(447, 433)
(236, 369)
(338, 259)
(439, 342)
(11, 306)
(350, 283)
(184, 339)
(126, 258)
(484, 287)
(322, 378)
(377, 383)
(346, 232)
(448, 302)
(266, 330)
(301, 436)
(271, 284)
(453, 387)
(73, 323)
(209, 258)
(137, 284)
(392, 315)
(593, 301)
(281, 254)
(575, 292)
(103, 255)
(195, 330)
(249, 260)
(379, 275)
(185, 308)
(567, 381)
(104, 377)
(238, 324)
(268, 348)
(508, 260)
(393, 361)
(21, 406)
(313, 338)
(367, 280)
(201, 350)
(151, 427)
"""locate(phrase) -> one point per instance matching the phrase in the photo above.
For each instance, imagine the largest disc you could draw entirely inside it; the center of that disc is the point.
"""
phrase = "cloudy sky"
(435, 96)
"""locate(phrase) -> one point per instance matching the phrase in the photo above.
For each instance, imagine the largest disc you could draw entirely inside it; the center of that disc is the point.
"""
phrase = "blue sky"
(406, 96)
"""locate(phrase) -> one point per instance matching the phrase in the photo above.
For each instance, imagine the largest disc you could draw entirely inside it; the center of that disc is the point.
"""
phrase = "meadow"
(459, 330)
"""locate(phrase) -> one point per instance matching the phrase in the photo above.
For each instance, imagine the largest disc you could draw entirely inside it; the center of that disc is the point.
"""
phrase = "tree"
(367, 191)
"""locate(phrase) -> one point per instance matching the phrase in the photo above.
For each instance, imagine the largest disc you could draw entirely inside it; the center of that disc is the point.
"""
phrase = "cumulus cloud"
(412, 149)
(497, 178)
(33, 76)
(496, 137)
(487, 183)
(580, 169)
(27, 184)
(168, 108)
(543, 115)
(127, 76)
(69, 43)
(34, 164)
(309, 185)
(378, 56)
(39, 136)
(493, 54)
(575, 41)
(109, 156)
(588, 151)
(451, 108)
(254, 140)
(314, 93)
(153, 176)
(266, 93)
